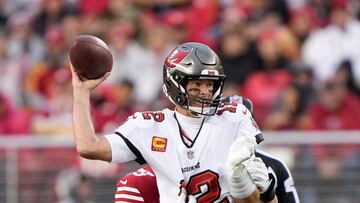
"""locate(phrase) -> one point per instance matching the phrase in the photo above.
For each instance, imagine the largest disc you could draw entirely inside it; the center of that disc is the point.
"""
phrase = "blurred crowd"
(297, 60)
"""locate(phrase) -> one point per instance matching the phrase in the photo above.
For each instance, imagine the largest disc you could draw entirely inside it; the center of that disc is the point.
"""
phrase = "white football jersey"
(198, 164)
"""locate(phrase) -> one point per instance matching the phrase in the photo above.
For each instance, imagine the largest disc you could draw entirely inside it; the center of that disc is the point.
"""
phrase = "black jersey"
(284, 184)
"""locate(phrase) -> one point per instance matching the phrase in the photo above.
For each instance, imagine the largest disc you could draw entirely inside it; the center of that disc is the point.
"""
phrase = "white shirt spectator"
(143, 67)
(325, 49)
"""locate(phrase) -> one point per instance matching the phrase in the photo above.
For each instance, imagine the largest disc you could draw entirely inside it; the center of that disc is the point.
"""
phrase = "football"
(90, 57)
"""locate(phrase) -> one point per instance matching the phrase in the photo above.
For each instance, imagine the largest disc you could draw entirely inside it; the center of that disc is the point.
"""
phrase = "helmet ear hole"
(178, 77)
(181, 100)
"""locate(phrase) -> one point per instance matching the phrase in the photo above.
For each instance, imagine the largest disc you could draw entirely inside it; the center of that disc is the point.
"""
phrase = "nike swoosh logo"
(244, 111)
(123, 182)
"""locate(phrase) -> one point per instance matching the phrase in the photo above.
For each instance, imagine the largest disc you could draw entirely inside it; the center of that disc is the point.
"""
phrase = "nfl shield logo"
(190, 154)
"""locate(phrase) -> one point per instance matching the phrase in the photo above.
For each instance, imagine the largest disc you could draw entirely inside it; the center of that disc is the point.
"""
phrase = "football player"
(140, 186)
(197, 151)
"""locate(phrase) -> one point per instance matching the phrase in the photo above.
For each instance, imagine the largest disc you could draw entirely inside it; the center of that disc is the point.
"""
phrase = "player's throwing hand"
(86, 84)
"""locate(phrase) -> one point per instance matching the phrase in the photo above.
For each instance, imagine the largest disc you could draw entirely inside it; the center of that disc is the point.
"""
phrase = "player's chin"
(200, 102)
(199, 105)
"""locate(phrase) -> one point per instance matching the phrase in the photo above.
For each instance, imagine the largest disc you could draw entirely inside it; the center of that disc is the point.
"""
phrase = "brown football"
(90, 57)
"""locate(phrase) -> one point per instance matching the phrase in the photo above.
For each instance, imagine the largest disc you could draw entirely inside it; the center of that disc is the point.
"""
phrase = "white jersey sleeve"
(123, 150)
(238, 114)
(248, 123)
(120, 151)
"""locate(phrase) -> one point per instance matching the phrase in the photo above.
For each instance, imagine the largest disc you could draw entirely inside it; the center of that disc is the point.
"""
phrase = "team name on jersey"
(190, 168)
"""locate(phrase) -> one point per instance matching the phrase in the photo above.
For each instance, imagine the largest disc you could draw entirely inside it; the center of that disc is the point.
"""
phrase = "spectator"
(23, 44)
(39, 78)
(120, 10)
(202, 30)
(265, 85)
(345, 75)
(11, 74)
(53, 118)
(73, 187)
(71, 25)
(302, 22)
(51, 12)
(343, 33)
(285, 115)
(336, 109)
(3, 16)
(303, 80)
(237, 54)
(12, 119)
(112, 105)
(92, 7)
(56, 50)
(175, 23)
(123, 48)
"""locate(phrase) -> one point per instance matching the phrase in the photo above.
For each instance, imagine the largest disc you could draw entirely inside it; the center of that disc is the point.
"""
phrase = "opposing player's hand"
(89, 85)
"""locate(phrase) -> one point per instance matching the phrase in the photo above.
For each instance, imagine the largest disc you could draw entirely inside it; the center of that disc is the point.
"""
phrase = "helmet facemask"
(203, 106)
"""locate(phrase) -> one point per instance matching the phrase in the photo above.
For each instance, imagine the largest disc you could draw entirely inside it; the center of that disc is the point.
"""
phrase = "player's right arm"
(87, 144)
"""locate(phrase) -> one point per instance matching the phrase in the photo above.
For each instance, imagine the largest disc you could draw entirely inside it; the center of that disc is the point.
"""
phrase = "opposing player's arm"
(286, 190)
(87, 144)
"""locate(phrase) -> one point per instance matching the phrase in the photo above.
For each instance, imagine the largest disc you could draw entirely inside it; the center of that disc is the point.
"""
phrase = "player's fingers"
(106, 75)
(71, 65)
(75, 76)
(102, 78)
(91, 84)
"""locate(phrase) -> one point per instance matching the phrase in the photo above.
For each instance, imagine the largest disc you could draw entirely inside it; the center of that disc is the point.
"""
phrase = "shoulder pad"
(232, 111)
(137, 119)
(146, 119)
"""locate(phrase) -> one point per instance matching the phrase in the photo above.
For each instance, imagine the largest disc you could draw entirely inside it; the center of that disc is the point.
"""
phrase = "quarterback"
(140, 186)
(199, 150)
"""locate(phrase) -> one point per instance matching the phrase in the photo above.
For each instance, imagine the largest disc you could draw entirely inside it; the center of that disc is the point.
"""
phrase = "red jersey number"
(157, 116)
(205, 183)
(228, 106)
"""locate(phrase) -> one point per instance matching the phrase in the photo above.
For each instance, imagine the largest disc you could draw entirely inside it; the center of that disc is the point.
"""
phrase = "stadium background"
(297, 60)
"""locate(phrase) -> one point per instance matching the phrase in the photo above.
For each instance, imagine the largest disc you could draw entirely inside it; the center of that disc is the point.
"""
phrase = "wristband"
(240, 182)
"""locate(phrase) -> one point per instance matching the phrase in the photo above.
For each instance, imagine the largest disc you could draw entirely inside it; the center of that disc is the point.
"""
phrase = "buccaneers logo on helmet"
(176, 57)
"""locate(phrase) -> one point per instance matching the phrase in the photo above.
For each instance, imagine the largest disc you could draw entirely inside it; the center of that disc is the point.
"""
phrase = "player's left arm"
(241, 186)
(261, 177)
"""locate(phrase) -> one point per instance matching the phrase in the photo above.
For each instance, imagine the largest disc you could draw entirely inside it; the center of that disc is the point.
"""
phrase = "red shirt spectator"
(12, 120)
(336, 109)
(263, 88)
